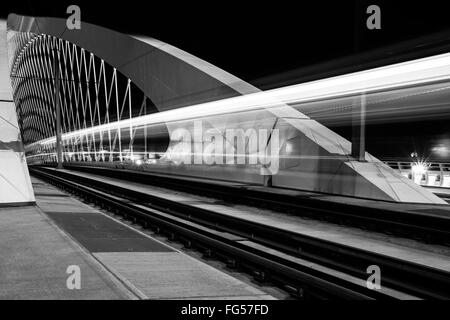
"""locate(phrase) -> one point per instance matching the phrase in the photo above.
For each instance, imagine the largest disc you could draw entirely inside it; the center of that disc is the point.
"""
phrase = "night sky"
(265, 43)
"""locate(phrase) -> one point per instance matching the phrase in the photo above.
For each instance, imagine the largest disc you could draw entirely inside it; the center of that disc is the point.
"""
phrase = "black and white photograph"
(226, 159)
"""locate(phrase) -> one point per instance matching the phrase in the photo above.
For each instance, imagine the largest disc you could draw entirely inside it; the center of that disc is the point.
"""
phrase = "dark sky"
(265, 43)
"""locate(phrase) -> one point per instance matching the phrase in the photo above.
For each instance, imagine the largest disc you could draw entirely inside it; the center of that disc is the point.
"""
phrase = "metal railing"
(434, 174)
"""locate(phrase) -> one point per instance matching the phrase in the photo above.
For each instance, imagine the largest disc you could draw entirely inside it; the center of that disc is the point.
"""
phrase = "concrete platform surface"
(173, 275)
(38, 243)
(35, 256)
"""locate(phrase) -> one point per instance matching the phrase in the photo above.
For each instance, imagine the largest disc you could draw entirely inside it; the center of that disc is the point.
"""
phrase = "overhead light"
(419, 168)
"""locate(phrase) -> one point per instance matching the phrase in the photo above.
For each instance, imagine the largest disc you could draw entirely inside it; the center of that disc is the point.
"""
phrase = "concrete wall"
(15, 184)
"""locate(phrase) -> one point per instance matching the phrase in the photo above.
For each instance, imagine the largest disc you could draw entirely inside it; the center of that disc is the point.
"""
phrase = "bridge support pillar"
(58, 110)
(359, 128)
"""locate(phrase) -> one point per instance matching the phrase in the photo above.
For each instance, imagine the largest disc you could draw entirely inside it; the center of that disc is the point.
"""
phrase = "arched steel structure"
(126, 99)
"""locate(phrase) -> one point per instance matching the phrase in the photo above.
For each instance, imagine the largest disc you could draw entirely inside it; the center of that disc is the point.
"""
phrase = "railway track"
(304, 266)
(424, 226)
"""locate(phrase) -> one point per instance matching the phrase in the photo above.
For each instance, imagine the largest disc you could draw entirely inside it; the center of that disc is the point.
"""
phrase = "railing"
(431, 174)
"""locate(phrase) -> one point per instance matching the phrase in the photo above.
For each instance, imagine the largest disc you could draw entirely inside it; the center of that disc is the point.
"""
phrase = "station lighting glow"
(419, 168)
(420, 71)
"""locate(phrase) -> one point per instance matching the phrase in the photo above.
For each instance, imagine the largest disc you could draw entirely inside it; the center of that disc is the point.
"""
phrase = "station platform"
(413, 251)
(38, 244)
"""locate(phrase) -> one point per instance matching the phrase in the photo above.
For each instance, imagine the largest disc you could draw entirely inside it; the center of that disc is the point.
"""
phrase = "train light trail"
(415, 72)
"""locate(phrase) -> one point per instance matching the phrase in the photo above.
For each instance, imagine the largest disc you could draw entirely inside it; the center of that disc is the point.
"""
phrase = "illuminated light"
(419, 168)
(133, 157)
(408, 73)
(289, 147)
(139, 162)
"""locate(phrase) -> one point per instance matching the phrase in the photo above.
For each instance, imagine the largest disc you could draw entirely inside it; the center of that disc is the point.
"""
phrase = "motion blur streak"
(411, 73)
